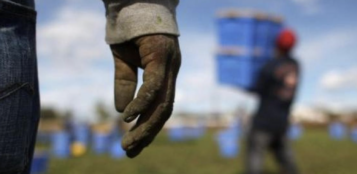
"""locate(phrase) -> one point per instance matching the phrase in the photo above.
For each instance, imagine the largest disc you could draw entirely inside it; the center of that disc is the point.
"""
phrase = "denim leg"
(19, 94)
(284, 155)
(258, 142)
(24, 3)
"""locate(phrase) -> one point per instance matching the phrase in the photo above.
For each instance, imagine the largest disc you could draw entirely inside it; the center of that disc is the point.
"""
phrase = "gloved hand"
(160, 57)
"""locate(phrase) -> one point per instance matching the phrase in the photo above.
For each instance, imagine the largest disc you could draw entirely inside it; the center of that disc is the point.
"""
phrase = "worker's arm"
(261, 84)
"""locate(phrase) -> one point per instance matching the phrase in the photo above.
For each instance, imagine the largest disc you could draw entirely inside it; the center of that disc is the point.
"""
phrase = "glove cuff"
(128, 19)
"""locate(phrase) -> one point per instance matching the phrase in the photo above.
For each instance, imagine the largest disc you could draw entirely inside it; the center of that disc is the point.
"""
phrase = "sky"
(76, 67)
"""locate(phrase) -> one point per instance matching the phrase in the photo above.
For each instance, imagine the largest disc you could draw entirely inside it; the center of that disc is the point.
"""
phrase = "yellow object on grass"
(78, 149)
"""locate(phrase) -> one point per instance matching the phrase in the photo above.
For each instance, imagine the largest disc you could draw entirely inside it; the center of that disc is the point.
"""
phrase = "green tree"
(102, 112)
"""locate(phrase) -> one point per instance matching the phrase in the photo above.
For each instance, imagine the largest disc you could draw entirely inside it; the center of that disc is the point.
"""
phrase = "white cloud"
(73, 36)
(335, 79)
(309, 6)
(336, 103)
(69, 49)
(321, 46)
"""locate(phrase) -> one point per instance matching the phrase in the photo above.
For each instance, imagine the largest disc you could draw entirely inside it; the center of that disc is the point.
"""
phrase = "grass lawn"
(316, 153)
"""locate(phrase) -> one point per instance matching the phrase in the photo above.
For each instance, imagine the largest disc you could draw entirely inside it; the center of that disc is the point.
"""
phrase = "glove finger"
(125, 75)
(155, 52)
(134, 152)
(146, 128)
(150, 123)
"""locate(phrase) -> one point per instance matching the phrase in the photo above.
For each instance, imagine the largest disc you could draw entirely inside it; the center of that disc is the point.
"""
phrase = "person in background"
(141, 34)
(276, 87)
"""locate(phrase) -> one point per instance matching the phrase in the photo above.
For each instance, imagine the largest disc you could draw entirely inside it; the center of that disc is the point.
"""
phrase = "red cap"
(286, 40)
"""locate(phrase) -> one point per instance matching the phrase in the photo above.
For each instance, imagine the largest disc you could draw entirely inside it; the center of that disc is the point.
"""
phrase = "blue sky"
(76, 67)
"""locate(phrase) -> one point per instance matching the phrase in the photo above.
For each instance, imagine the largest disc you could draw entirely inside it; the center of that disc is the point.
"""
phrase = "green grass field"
(315, 153)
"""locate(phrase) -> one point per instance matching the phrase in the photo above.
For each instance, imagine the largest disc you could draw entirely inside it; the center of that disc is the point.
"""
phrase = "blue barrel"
(337, 130)
(189, 132)
(198, 131)
(354, 135)
(40, 163)
(101, 142)
(295, 132)
(235, 129)
(116, 150)
(61, 144)
(228, 144)
(177, 134)
(81, 134)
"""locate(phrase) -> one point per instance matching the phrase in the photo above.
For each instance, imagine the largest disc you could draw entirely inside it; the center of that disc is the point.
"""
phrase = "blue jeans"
(259, 141)
(19, 94)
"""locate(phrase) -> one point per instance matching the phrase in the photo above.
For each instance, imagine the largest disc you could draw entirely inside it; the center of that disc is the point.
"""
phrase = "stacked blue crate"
(234, 69)
(262, 39)
(246, 43)
(276, 28)
(237, 32)
(267, 30)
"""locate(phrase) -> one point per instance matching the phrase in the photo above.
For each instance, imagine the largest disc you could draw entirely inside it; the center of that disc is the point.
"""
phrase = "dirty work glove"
(159, 56)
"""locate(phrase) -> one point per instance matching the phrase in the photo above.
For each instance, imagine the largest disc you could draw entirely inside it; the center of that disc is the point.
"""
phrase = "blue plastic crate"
(234, 70)
(237, 32)
(255, 33)
(258, 65)
(238, 71)
(266, 34)
(262, 39)
(275, 30)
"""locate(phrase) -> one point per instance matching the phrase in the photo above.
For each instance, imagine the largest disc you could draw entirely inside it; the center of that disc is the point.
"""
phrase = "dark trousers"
(259, 141)
(19, 94)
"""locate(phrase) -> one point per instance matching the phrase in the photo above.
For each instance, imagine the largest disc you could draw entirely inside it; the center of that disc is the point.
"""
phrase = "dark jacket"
(276, 86)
